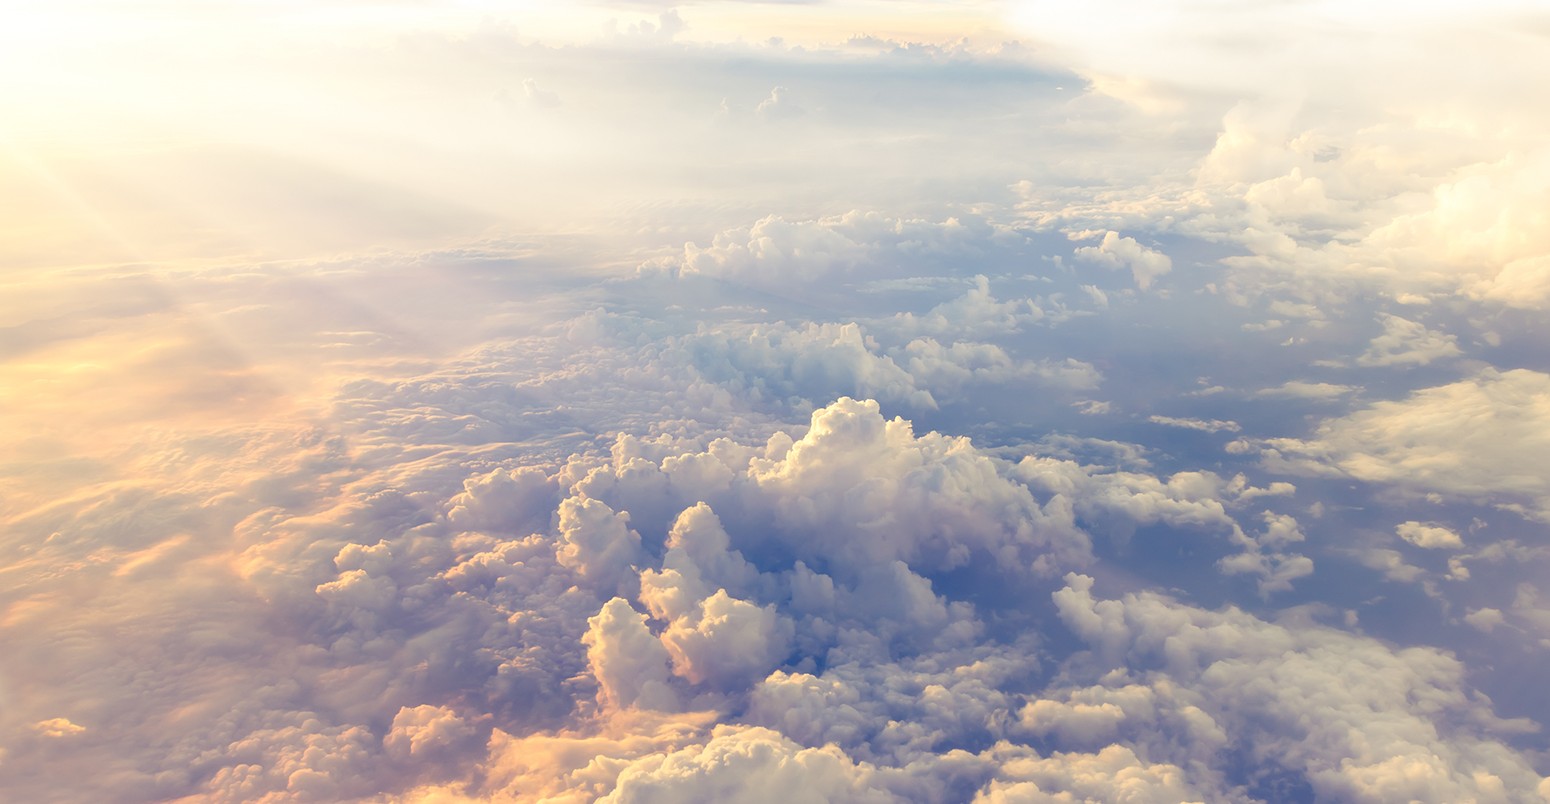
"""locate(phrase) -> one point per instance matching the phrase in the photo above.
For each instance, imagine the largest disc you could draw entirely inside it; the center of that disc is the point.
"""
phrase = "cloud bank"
(634, 403)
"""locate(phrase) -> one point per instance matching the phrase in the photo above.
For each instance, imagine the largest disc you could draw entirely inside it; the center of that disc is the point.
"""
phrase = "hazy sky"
(774, 401)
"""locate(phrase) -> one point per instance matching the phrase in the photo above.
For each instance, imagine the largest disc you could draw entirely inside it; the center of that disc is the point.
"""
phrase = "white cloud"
(903, 493)
(1485, 619)
(598, 543)
(1359, 720)
(1203, 425)
(1522, 283)
(1478, 438)
(1298, 389)
(1406, 342)
(572, 764)
(503, 500)
(630, 665)
(299, 757)
(754, 765)
(1117, 252)
(538, 96)
(951, 366)
(775, 251)
(811, 364)
(974, 314)
(1094, 407)
(1264, 554)
(1114, 773)
(1118, 501)
(427, 730)
(723, 642)
(290, 515)
(58, 727)
(1429, 536)
(1391, 563)
(779, 106)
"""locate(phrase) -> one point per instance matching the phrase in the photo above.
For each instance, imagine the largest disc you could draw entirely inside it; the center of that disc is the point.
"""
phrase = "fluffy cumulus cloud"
(1118, 252)
(1407, 342)
(1355, 719)
(775, 251)
(797, 365)
(639, 405)
(746, 765)
(1475, 438)
(1429, 536)
(977, 311)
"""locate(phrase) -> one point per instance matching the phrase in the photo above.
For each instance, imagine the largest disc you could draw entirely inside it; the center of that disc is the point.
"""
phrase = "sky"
(842, 400)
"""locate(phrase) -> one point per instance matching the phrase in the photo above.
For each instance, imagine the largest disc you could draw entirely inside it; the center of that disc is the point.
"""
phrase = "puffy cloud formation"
(58, 727)
(598, 543)
(1405, 342)
(775, 251)
(1308, 390)
(1118, 252)
(746, 765)
(789, 417)
(723, 610)
(425, 730)
(1475, 438)
(1204, 425)
(1114, 773)
(1120, 501)
(630, 665)
(953, 366)
(793, 593)
(977, 312)
(810, 363)
(1431, 537)
(931, 498)
(1355, 719)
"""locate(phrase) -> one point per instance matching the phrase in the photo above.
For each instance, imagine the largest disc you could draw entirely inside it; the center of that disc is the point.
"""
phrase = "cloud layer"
(710, 403)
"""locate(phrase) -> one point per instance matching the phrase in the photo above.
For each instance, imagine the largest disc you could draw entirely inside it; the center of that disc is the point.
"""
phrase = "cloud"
(732, 642)
(977, 313)
(1355, 718)
(1114, 773)
(1116, 252)
(57, 727)
(775, 251)
(1429, 536)
(1451, 439)
(755, 765)
(816, 362)
(1094, 407)
(503, 500)
(741, 455)
(536, 96)
(901, 712)
(1118, 501)
(427, 730)
(1298, 389)
(1264, 555)
(950, 367)
(779, 106)
(903, 492)
(630, 665)
(598, 543)
(1485, 619)
(1391, 563)
(1405, 342)
(1523, 283)
(1203, 425)
(574, 763)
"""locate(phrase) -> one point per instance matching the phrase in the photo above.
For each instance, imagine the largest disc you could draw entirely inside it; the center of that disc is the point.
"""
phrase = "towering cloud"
(1001, 402)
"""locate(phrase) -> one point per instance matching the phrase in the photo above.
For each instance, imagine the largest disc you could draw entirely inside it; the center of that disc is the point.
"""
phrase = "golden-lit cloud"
(885, 400)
